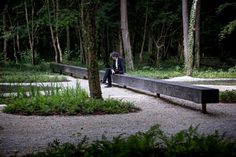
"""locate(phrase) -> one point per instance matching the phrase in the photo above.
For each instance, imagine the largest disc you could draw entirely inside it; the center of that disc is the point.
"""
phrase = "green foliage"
(232, 69)
(224, 6)
(155, 73)
(228, 96)
(67, 102)
(214, 73)
(164, 70)
(26, 57)
(186, 143)
(189, 143)
(26, 77)
(26, 73)
(228, 29)
(172, 68)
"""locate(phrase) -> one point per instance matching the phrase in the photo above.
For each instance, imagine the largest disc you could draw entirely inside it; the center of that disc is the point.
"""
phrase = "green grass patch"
(157, 73)
(186, 143)
(67, 102)
(28, 77)
(24, 88)
(11, 92)
(164, 72)
(11, 66)
(26, 73)
(228, 96)
(215, 73)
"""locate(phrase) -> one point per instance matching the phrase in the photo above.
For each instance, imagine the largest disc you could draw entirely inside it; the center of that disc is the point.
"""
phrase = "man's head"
(114, 55)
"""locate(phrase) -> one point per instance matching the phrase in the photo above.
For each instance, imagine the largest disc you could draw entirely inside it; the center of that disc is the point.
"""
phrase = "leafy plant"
(66, 102)
(186, 143)
(228, 96)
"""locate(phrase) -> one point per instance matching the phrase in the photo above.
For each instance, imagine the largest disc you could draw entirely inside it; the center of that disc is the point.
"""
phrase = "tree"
(185, 28)
(4, 32)
(125, 35)
(54, 36)
(197, 36)
(31, 29)
(89, 33)
(144, 35)
(192, 21)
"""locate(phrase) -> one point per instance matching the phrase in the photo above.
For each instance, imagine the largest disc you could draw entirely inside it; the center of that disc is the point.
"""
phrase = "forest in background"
(42, 29)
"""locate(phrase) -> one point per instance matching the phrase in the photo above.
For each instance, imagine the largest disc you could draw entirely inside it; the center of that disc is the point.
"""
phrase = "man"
(116, 68)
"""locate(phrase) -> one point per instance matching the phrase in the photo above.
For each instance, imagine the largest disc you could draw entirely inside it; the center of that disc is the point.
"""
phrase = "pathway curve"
(23, 134)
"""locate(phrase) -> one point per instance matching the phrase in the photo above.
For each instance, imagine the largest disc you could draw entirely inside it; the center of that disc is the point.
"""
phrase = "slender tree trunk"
(197, 35)
(82, 49)
(13, 38)
(57, 31)
(30, 32)
(89, 8)
(68, 38)
(189, 65)
(82, 54)
(59, 48)
(185, 29)
(121, 44)
(144, 36)
(52, 33)
(150, 41)
(125, 35)
(17, 34)
(4, 30)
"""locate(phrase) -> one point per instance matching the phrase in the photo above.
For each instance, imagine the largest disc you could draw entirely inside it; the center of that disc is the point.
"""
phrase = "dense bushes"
(186, 143)
(68, 101)
(228, 96)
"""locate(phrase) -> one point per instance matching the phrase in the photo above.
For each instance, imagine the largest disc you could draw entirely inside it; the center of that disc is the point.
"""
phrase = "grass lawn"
(29, 77)
(175, 71)
(25, 73)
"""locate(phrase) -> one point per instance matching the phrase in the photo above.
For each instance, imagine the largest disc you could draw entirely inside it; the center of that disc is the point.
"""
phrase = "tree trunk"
(17, 34)
(82, 54)
(144, 37)
(57, 38)
(185, 29)
(197, 36)
(52, 33)
(125, 35)
(150, 41)
(82, 51)
(121, 44)
(30, 32)
(4, 30)
(68, 38)
(59, 48)
(189, 65)
(89, 8)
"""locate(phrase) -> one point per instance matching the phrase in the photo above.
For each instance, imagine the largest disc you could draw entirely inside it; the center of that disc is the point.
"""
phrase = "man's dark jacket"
(121, 67)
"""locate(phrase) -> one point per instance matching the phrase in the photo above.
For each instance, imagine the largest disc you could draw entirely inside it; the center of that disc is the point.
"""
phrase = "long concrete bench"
(200, 95)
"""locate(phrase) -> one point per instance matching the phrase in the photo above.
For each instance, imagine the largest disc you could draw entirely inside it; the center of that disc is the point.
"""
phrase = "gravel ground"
(24, 134)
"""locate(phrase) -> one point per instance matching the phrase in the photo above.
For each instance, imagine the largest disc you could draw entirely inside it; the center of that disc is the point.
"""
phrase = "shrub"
(67, 102)
(186, 143)
(228, 96)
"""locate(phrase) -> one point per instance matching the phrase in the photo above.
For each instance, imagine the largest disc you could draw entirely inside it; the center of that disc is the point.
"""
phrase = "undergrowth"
(153, 143)
(228, 96)
(68, 101)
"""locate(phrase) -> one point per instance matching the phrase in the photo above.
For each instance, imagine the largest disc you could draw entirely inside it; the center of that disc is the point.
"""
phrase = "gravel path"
(24, 134)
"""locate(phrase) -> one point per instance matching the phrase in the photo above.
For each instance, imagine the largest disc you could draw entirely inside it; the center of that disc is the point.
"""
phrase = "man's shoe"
(108, 86)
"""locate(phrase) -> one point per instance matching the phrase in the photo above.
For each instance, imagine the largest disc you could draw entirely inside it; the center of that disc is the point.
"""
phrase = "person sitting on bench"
(116, 68)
